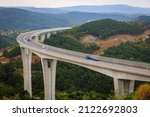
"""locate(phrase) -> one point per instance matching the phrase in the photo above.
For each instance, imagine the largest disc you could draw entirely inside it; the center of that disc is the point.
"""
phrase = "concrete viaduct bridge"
(123, 72)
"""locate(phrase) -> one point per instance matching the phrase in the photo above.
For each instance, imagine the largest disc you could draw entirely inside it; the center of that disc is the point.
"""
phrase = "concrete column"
(49, 74)
(55, 32)
(27, 57)
(42, 37)
(123, 87)
(48, 35)
(36, 38)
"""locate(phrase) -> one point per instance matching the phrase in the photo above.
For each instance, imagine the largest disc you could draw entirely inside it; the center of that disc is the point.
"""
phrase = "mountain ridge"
(118, 8)
(24, 19)
(143, 18)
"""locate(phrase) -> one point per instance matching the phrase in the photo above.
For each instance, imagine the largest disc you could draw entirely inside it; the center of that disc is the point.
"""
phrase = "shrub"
(142, 93)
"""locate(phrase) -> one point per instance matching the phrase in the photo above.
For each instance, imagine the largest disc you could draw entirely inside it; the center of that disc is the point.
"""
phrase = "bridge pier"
(48, 35)
(27, 57)
(36, 38)
(42, 37)
(123, 86)
(54, 32)
(49, 74)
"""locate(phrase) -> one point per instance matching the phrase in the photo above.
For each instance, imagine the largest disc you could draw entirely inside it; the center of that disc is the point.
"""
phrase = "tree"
(142, 93)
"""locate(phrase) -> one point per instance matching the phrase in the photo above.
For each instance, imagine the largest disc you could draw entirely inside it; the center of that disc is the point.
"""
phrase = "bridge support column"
(42, 37)
(49, 74)
(55, 32)
(36, 38)
(27, 57)
(123, 86)
(48, 35)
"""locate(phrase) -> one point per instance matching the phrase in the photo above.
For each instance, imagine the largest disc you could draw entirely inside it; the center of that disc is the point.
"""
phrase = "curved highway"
(116, 68)
(76, 57)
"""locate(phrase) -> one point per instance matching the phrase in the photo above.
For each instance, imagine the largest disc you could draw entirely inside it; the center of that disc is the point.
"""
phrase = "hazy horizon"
(75, 6)
(67, 3)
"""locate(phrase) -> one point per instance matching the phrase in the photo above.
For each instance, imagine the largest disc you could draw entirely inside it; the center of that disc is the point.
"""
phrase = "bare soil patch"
(113, 40)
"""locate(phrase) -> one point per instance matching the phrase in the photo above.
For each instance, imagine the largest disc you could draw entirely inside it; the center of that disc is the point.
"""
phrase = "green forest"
(62, 41)
(108, 27)
(143, 18)
(81, 83)
(8, 38)
(12, 53)
(139, 51)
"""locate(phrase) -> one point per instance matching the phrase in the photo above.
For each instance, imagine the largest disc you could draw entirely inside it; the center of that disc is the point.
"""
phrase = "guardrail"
(125, 62)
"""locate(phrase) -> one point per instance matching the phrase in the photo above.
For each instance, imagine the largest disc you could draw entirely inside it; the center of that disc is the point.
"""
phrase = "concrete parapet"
(125, 62)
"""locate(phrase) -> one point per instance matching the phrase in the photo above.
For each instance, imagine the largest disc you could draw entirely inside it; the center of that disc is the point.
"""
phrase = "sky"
(62, 3)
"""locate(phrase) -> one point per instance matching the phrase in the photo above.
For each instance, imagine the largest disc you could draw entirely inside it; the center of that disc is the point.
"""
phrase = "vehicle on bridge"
(43, 47)
(28, 40)
(88, 57)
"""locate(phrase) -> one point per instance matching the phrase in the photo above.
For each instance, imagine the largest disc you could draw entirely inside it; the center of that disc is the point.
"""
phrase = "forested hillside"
(8, 38)
(76, 18)
(4, 42)
(12, 18)
(10, 82)
(120, 8)
(61, 40)
(145, 19)
(107, 27)
(24, 19)
(131, 51)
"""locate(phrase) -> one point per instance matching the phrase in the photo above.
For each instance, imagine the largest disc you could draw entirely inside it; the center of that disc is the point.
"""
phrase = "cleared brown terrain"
(34, 58)
(113, 40)
(6, 60)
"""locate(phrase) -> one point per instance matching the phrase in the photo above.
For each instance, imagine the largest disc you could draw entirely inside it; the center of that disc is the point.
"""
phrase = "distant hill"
(120, 8)
(107, 27)
(12, 18)
(82, 17)
(45, 10)
(125, 9)
(143, 18)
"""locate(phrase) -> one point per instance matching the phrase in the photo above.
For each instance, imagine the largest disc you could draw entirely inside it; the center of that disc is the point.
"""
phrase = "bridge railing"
(125, 62)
